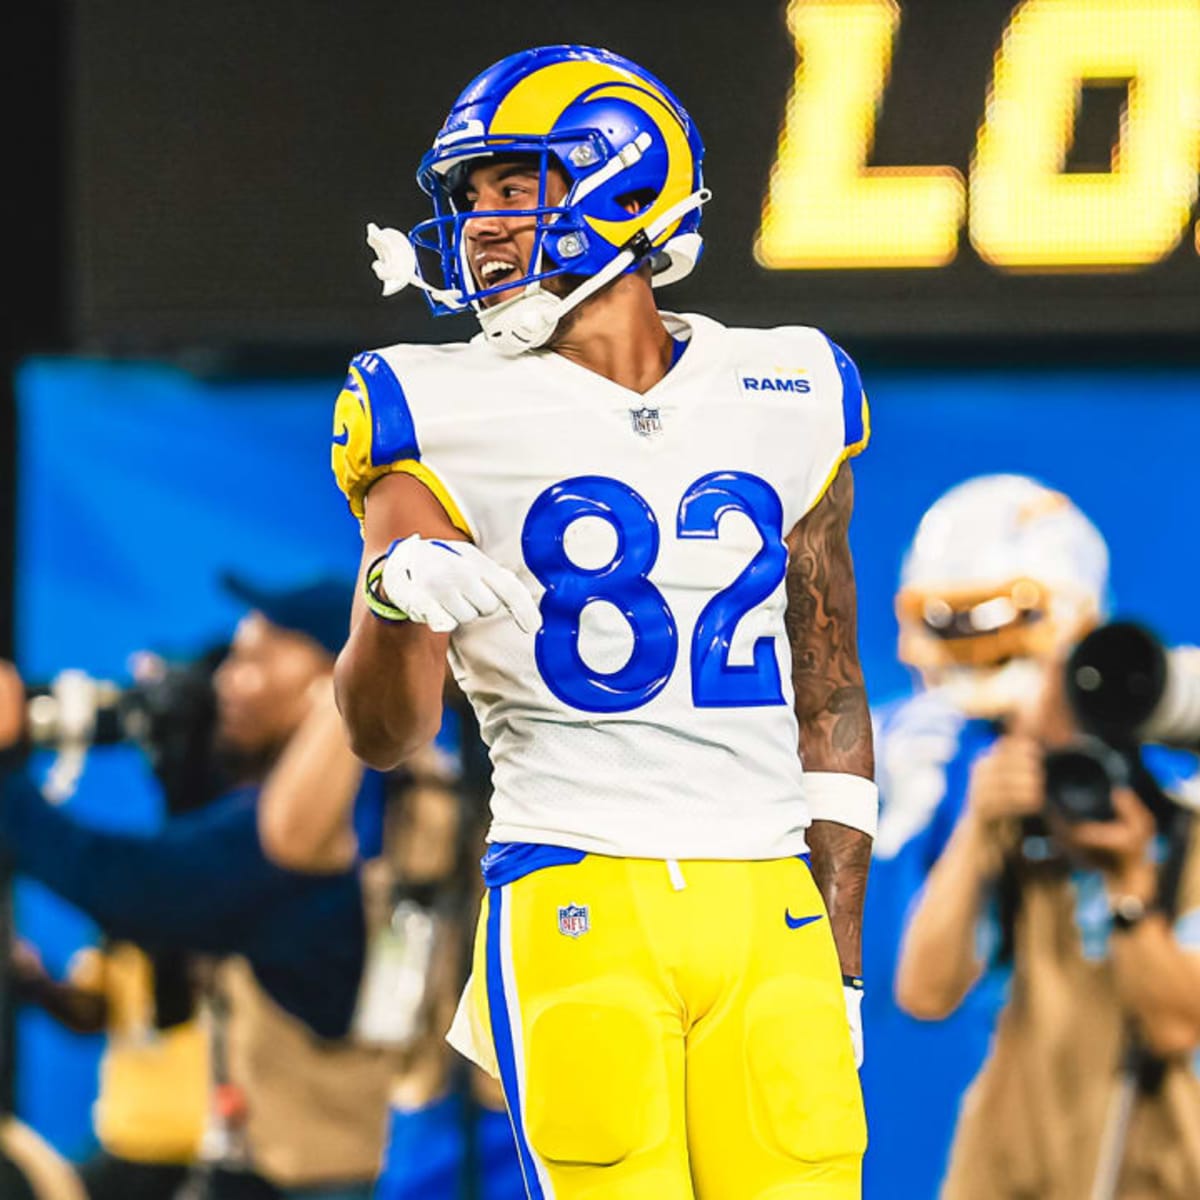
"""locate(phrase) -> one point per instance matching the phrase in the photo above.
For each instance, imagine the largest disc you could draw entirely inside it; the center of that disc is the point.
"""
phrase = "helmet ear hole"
(636, 202)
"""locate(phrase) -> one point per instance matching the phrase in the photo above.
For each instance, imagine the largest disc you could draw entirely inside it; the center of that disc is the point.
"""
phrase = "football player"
(628, 530)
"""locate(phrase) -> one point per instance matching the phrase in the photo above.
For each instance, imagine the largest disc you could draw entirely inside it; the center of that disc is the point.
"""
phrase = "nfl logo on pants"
(573, 920)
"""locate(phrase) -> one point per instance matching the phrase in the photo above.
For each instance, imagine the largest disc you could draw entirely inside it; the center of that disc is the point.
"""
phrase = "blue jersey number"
(624, 582)
(716, 684)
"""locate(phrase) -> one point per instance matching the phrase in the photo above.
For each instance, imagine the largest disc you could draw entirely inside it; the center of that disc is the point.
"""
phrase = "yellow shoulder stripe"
(419, 471)
(849, 452)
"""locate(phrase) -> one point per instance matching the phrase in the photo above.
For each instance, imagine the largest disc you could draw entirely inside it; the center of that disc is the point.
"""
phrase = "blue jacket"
(202, 884)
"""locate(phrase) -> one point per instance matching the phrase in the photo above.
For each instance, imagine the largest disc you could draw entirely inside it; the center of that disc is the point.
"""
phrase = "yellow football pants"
(671, 1033)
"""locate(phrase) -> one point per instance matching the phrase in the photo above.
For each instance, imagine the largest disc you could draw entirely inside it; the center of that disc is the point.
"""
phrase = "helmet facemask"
(443, 247)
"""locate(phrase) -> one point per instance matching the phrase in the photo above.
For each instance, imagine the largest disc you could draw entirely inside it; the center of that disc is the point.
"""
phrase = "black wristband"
(377, 602)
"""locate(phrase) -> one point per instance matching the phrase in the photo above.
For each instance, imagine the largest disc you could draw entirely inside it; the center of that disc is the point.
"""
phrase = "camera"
(1124, 686)
(77, 708)
(169, 712)
(1080, 779)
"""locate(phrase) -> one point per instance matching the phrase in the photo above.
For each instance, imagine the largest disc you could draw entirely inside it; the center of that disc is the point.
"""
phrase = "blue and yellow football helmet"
(616, 133)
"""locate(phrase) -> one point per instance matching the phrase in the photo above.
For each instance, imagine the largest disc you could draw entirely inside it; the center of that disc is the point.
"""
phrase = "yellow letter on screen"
(824, 207)
(1026, 213)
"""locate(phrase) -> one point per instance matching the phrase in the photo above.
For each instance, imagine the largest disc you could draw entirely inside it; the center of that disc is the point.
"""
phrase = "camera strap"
(1178, 831)
(1142, 1073)
(1177, 825)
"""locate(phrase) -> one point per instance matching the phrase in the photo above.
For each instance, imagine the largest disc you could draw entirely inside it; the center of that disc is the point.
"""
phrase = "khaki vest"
(1032, 1123)
(316, 1111)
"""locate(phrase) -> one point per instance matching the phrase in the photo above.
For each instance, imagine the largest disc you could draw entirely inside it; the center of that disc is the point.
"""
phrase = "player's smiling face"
(501, 247)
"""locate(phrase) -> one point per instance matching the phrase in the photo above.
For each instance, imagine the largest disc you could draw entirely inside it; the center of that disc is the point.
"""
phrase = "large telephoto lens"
(1115, 678)
(1123, 684)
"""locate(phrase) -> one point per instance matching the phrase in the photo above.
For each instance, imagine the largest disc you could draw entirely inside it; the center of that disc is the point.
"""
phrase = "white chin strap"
(529, 320)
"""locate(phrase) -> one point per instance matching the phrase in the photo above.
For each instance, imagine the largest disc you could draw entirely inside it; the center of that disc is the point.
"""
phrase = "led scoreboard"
(1064, 197)
(885, 169)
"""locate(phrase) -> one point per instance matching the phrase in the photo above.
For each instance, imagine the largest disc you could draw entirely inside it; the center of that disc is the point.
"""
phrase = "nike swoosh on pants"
(799, 922)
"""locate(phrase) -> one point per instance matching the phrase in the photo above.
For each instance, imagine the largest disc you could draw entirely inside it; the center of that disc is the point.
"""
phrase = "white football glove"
(444, 584)
(854, 997)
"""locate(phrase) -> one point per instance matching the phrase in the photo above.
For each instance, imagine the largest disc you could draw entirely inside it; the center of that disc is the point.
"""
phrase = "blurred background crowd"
(233, 951)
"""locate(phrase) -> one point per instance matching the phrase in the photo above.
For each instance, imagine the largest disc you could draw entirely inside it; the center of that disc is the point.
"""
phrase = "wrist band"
(853, 981)
(847, 799)
(377, 602)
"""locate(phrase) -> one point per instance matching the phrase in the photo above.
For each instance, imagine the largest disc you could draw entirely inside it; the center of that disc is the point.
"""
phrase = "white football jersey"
(652, 713)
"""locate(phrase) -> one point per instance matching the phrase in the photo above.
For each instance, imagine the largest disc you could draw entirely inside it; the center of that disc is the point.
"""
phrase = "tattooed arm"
(831, 701)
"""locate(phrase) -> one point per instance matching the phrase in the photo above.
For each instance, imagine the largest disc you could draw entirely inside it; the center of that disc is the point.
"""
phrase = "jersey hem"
(724, 845)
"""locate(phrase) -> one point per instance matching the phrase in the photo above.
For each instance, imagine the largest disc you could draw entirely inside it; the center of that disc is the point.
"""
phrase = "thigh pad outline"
(801, 1079)
(596, 1078)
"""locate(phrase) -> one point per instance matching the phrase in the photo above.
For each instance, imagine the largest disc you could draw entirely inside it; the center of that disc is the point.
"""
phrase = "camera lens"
(1116, 677)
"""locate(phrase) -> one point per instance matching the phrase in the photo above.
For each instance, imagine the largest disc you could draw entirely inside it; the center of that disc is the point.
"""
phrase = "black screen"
(227, 157)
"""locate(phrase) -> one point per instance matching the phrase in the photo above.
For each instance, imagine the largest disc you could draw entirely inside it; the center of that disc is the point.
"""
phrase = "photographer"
(301, 1110)
(1100, 977)
(449, 1133)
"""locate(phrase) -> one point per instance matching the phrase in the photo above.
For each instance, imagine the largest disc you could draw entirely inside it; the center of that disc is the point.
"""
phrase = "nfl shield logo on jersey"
(573, 920)
(646, 421)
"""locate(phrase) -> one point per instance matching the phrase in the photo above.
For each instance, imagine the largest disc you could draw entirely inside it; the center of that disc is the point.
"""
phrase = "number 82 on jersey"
(624, 583)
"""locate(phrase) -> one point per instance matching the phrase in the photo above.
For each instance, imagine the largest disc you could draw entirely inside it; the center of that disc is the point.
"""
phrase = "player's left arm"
(831, 707)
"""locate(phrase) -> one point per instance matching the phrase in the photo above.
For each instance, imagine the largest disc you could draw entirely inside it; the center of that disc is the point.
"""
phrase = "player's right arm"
(421, 574)
(389, 676)
(388, 679)
(939, 958)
